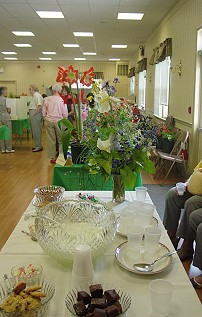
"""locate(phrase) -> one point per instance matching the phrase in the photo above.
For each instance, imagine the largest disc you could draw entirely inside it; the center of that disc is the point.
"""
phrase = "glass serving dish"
(6, 287)
(125, 298)
(80, 222)
(27, 269)
(49, 193)
(40, 202)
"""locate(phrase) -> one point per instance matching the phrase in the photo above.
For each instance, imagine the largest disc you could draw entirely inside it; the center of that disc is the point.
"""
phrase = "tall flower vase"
(118, 190)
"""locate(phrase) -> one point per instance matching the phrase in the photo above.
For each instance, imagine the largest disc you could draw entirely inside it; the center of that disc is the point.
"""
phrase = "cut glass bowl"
(80, 222)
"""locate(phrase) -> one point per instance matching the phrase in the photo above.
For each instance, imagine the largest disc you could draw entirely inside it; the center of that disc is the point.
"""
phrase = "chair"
(175, 156)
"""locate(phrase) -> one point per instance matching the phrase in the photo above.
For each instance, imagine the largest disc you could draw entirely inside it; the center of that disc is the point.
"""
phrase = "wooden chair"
(175, 156)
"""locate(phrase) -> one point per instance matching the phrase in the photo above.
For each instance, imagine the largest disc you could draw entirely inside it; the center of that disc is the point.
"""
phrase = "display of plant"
(115, 144)
(71, 75)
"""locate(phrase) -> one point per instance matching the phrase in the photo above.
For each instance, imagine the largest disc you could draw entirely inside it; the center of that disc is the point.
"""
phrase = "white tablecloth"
(19, 248)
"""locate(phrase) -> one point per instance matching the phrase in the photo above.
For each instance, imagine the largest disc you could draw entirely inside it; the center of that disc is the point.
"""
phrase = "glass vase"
(118, 190)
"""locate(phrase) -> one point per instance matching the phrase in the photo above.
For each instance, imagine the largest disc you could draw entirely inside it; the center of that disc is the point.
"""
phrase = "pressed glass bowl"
(80, 222)
(125, 298)
(41, 202)
(49, 193)
(7, 286)
(26, 269)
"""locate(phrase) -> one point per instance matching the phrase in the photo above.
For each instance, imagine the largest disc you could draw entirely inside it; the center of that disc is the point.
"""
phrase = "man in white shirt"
(35, 115)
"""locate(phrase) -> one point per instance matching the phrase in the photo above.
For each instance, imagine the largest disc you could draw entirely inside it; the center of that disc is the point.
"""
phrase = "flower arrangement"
(71, 75)
(115, 145)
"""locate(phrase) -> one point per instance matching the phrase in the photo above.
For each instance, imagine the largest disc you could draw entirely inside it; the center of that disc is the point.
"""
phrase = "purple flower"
(116, 80)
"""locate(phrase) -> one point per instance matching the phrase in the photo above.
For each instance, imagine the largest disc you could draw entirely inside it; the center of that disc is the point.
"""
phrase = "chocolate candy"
(97, 303)
(96, 290)
(99, 313)
(112, 311)
(80, 308)
(111, 296)
(82, 295)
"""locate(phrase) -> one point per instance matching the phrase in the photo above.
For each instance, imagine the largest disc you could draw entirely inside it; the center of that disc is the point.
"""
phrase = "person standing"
(67, 98)
(54, 110)
(35, 115)
(5, 118)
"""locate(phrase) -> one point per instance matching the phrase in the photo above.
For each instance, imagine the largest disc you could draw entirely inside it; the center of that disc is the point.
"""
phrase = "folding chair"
(175, 156)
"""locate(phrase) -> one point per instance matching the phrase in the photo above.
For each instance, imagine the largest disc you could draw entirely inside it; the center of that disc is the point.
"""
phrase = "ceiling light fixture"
(79, 59)
(45, 58)
(87, 34)
(50, 14)
(71, 45)
(130, 16)
(23, 45)
(10, 58)
(22, 33)
(49, 53)
(9, 53)
(119, 46)
(114, 59)
(89, 53)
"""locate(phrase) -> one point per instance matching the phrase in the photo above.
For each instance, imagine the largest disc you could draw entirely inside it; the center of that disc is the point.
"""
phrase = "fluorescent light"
(114, 59)
(87, 34)
(119, 46)
(10, 58)
(71, 45)
(19, 33)
(130, 16)
(89, 53)
(9, 53)
(45, 58)
(50, 14)
(23, 45)
(79, 59)
(49, 53)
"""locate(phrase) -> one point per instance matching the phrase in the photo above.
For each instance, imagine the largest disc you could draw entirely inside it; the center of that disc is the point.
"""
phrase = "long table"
(19, 248)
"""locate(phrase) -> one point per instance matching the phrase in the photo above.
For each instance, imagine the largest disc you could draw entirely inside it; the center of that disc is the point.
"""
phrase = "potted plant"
(71, 75)
(168, 141)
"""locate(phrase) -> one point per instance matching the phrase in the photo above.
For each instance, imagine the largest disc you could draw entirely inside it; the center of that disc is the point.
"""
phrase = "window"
(142, 90)
(161, 93)
(132, 85)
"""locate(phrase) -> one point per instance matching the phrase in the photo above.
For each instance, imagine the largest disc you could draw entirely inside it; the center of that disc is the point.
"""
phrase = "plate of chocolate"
(101, 300)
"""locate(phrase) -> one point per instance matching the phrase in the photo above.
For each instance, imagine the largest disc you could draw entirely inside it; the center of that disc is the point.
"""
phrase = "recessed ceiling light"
(71, 45)
(87, 34)
(89, 53)
(10, 58)
(9, 53)
(23, 45)
(119, 46)
(45, 58)
(50, 14)
(19, 33)
(130, 16)
(114, 59)
(79, 59)
(49, 53)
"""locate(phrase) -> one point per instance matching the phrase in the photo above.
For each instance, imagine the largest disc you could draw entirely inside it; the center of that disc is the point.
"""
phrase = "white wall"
(181, 24)
(25, 73)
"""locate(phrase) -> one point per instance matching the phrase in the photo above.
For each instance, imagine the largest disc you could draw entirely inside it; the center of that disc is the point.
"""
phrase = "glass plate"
(125, 260)
(120, 230)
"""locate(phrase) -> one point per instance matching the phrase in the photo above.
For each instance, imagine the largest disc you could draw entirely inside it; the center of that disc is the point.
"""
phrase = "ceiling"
(97, 16)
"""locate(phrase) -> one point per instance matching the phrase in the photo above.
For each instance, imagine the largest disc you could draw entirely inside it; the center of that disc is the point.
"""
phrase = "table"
(4, 133)
(19, 248)
(18, 125)
(77, 177)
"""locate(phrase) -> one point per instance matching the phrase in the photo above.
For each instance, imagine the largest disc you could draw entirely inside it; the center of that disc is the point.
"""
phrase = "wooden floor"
(23, 171)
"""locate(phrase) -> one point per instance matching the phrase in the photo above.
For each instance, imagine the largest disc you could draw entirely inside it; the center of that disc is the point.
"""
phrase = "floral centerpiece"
(115, 145)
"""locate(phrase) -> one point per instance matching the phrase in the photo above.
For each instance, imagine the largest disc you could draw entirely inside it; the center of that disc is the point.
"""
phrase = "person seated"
(174, 203)
(190, 229)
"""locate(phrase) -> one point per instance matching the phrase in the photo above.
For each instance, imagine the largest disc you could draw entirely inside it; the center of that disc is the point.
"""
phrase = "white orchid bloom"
(116, 100)
(104, 145)
(102, 100)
